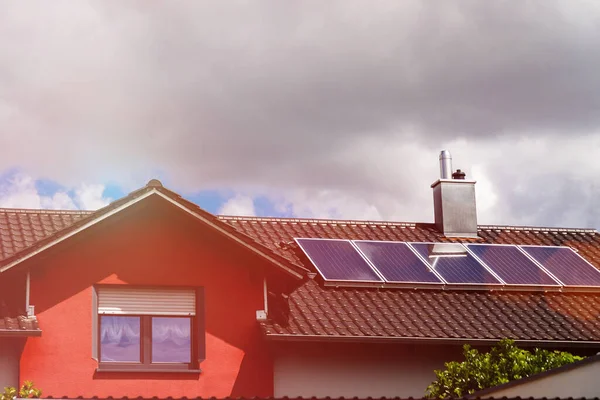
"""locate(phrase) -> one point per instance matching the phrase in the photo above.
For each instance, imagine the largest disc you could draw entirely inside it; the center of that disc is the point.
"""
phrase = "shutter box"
(121, 299)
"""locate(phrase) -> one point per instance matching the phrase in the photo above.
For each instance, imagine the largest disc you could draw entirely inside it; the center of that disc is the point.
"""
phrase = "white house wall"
(10, 353)
(354, 370)
(578, 382)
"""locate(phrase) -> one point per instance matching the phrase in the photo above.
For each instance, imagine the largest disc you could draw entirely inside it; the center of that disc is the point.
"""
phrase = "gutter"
(423, 340)
(19, 332)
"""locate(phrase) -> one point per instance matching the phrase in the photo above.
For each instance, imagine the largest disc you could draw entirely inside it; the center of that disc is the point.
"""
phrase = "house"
(153, 296)
(576, 380)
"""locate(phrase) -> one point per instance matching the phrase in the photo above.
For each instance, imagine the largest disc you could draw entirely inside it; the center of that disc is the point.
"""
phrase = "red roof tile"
(22, 228)
(14, 324)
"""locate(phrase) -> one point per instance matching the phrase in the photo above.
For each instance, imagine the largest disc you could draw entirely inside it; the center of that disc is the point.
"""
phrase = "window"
(148, 329)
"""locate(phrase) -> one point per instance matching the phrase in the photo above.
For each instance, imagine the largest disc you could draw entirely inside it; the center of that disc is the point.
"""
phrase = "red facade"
(155, 245)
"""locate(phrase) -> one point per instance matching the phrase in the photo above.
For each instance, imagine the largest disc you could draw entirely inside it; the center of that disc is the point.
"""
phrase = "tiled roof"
(403, 314)
(19, 326)
(20, 229)
(319, 312)
(13, 323)
(278, 234)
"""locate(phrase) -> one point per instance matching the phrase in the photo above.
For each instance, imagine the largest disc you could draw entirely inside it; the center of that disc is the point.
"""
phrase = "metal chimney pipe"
(445, 165)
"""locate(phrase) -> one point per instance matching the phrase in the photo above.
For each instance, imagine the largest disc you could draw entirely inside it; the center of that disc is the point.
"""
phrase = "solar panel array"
(352, 262)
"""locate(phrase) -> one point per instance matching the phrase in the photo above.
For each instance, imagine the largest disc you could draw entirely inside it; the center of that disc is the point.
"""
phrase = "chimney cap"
(458, 174)
(445, 154)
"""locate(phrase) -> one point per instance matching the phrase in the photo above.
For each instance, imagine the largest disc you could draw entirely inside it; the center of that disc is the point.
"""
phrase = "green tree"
(503, 363)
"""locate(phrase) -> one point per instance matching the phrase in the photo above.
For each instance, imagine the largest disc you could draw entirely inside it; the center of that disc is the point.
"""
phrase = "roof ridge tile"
(43, 211)
(381, 223)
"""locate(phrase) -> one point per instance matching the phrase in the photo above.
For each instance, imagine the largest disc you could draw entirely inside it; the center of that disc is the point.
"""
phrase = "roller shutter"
(147, 301)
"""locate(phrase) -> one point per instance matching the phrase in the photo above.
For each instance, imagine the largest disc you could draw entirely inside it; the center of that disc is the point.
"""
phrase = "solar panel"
(338, 260)
(566, 265)
(511, 265)
(454, 266)
(396, 262)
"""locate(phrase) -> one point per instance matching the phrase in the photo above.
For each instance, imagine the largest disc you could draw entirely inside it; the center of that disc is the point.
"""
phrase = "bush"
(26, 391)
(503, 363)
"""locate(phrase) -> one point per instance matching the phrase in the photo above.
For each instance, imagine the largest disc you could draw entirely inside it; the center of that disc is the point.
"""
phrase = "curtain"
(120, 329)
(176, 330)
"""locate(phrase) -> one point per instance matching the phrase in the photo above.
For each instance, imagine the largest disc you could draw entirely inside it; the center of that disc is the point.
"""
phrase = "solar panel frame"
(357, 263)
(575, 253)
(557, 283)
(380, 280)
(499, 280)
(415, 253)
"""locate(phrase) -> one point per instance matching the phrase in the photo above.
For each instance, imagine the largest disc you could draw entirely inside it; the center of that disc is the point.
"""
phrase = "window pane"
(120, 339)
(171, 340)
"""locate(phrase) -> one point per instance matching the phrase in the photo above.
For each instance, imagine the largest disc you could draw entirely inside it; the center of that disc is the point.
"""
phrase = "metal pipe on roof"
(445, 165)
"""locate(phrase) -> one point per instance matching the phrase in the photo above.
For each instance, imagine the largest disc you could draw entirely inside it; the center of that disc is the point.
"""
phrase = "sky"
(313, 109)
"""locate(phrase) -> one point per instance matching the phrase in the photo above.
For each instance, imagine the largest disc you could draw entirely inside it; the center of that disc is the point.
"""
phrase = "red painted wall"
(153, 245)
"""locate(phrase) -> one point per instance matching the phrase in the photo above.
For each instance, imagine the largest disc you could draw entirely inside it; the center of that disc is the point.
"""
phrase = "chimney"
(454, 201)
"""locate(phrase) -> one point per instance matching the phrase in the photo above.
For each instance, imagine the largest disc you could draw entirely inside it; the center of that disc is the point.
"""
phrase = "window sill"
(148, 370)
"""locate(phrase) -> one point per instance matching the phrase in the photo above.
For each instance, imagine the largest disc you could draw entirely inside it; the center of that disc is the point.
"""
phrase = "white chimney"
(454, 201)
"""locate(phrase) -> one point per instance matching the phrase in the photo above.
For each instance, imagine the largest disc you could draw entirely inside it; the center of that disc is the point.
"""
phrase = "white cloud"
(58, 201)
(329, 204)
(90, 197)
(19, 191)
(238, 205)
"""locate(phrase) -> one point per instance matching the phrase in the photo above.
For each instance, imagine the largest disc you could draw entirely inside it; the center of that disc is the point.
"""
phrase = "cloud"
(330, 204)
(238, 205)
(308, 103)
(20, 191)
(90, 197)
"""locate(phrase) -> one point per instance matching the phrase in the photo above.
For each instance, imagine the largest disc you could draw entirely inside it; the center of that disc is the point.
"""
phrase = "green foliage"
(503, 363)
(26, 391)
(9, 393)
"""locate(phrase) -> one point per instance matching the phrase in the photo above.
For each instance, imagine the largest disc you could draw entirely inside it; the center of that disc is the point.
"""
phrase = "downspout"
(27, 290)
(265, 296)
(261, 315)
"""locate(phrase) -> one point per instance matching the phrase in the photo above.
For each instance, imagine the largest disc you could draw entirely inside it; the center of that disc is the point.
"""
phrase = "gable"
(21, 250)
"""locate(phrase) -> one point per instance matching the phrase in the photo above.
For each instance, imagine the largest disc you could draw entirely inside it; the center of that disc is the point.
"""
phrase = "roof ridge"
(43, 211)
(538, 228)
(317, 220)
(397, 223)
